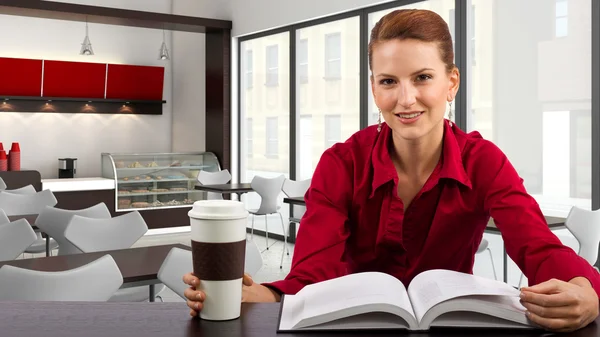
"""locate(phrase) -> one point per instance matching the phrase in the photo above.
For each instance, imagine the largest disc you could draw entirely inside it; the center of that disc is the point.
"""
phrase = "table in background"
(238, 189)
(139, 266)
(31, 219)
(94, 319)
(552, 221)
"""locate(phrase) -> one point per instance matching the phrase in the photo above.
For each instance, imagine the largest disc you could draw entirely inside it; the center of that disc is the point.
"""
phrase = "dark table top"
(553, 223)
(136, 264)
(29, 217)
(75, 319)
(226, 188)
(294, 201)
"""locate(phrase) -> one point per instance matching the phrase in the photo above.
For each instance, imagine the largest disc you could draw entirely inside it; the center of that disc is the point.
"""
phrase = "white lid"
(218, 210)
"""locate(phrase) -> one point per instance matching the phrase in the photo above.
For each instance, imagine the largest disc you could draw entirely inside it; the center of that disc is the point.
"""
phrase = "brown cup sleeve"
(218, 261)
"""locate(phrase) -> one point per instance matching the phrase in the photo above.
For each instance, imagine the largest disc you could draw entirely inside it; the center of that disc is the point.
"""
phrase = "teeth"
(413, 115)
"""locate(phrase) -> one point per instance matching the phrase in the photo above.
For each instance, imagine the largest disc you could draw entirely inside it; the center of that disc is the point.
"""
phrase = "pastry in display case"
(157, 180)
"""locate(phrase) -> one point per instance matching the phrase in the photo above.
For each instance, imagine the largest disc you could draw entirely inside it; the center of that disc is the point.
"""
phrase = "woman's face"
(411, 86)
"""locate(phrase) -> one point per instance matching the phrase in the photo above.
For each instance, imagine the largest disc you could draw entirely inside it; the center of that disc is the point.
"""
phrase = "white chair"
(15, 237)
(121, 232)
(29, 189)
(214, 178)
(179, 262)
(295, 189)
(483, 246)
(585, 227)
(268, 189)
(21, 204)
(95, 281)
(2, 185)
(54, 221)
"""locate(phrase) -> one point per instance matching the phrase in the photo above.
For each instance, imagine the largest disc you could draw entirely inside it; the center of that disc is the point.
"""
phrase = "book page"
(345, 296)
(435, 286)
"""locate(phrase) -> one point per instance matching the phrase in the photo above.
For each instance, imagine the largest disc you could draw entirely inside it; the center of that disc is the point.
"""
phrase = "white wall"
(46, 137)
(258, 15)
(189, 87)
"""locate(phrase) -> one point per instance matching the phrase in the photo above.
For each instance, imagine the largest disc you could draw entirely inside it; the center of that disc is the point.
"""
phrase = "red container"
(1, 147)
(3, 161)
(14, 160)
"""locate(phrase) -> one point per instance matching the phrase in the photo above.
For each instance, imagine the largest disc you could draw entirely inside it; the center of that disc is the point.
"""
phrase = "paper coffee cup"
(218, 232)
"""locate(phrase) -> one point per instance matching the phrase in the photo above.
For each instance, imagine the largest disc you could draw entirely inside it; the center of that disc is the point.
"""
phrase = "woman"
(415, 193)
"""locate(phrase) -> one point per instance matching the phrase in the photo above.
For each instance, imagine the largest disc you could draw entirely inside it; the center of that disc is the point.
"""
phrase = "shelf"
(151, 208)
(120, 195)
(140, 181)
(78, 99)
(162, 168)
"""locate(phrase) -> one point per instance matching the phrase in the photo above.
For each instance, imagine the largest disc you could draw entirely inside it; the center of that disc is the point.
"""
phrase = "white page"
(353, 290)
(435, 286)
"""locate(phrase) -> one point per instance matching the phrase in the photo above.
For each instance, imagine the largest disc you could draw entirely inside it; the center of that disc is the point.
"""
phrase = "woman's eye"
(423, 77)
(386, 81)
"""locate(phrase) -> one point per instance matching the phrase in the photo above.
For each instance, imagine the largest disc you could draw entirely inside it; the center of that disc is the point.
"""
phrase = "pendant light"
(164, 52)
(86, 46)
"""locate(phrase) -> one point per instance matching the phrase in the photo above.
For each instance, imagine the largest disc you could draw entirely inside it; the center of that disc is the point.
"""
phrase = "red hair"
(418, 24)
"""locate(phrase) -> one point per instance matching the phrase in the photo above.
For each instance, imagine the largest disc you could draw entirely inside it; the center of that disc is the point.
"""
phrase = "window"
(320, 97)
(249, 69)
(302, 58)
(333, 56)
(272, 138)
(272, 59)
(548, 138)
(249, 138)
(333, 130)
(562, 23)
(470, 29)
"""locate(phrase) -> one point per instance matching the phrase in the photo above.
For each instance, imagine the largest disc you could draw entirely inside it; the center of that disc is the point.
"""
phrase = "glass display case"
(156, 180)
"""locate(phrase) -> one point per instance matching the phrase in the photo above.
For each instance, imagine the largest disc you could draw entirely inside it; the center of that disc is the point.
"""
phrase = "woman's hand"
(561, 306)
(251, 292)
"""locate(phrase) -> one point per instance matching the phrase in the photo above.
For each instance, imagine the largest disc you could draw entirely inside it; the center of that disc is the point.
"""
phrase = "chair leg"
(267, 231)
(492, 259)
(284, 242)
(520, 280)
(252, 231)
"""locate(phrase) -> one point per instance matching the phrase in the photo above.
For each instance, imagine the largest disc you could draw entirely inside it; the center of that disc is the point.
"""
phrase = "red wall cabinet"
(74, 79)
(20, 77)
(134, 82)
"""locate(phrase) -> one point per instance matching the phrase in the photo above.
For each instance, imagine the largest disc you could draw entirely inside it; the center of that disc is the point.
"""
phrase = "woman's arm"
(320, 245)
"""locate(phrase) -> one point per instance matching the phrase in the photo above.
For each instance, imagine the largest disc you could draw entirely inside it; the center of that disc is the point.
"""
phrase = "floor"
(271, 257)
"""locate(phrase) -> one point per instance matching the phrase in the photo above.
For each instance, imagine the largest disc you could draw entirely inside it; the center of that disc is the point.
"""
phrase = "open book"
(373, 300)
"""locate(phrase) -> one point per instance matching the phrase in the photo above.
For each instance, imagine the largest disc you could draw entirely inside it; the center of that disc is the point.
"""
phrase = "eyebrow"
(416, 72)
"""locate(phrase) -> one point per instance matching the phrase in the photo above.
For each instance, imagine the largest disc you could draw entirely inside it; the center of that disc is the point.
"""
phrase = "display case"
(156, 180)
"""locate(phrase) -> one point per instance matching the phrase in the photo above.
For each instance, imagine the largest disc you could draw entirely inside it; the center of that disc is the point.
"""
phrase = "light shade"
(164, 52)
(86, 47)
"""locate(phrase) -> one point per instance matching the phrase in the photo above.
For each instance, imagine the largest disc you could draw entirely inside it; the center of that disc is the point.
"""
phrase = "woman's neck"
(418, 158)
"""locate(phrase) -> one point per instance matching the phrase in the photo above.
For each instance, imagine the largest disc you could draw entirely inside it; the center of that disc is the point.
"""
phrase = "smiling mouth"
(409, 115)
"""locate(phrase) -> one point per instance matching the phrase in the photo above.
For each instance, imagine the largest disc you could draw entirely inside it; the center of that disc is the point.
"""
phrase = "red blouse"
(356, 222)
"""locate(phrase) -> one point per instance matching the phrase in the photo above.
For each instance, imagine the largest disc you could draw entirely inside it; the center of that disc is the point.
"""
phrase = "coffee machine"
(67, 167)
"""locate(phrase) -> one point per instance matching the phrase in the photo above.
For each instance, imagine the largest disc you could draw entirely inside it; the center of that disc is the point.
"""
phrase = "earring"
(379, 122)
(450, 112)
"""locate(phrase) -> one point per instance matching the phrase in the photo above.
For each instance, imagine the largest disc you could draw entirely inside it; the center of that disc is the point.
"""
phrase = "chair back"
(179, 262)
(93, 282)
(2, 185)
(15, 237)
(29, 189)
(585, 227)
(54, 221)
(3, 217)
(268, 189)
(93, 235)
(20, 204)
(214, 178)
(294, 189)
